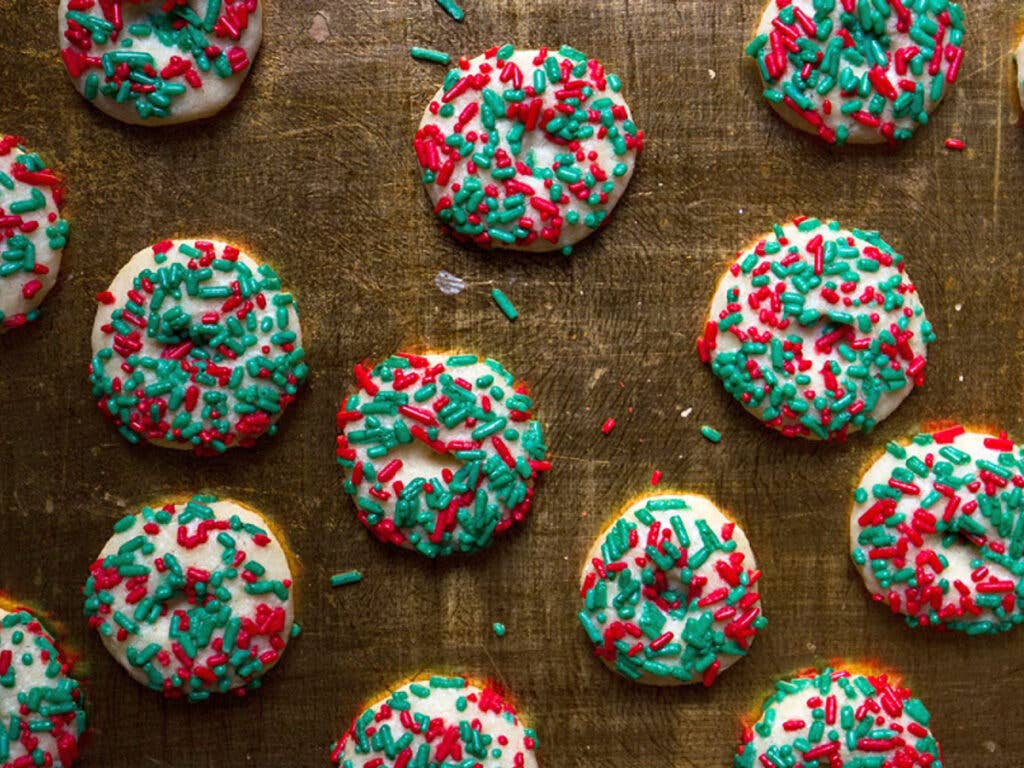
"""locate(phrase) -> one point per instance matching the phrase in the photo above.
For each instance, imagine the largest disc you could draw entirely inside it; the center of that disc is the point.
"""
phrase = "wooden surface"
(312, 168)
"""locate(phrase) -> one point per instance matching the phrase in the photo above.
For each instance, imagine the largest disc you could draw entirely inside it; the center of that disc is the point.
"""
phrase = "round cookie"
(817, 331)
(194, 598)
(151, 62)
(439, 721)
(527, 149)
(32, 233)
(858, 72)
(937, 530)
(840, 719)
(42, 708)
(440, 452)
(670, 592)
(196, 346)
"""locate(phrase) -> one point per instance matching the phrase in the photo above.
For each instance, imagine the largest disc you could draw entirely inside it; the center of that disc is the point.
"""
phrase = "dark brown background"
(312, 169)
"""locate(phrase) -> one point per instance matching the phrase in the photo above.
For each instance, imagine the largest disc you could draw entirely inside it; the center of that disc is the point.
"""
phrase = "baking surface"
(312, 169)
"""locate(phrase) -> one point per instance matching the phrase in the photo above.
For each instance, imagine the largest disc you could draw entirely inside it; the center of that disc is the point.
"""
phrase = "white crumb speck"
(991, 746)
(686, 414)
(712, 74)
(961, 377)
(449, 284)
(318, 28)
(958, 307)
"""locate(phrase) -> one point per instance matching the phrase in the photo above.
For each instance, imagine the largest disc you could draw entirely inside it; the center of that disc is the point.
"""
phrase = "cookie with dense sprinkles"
(440, 452)
(671, 592)
(817, 331)
(858, 72)
(840, 719)
(527, 149)
(150, 62)
(193, 599)
(42, 708)
(196, 346)
(937, 530)
(438, 721)
(32, 233)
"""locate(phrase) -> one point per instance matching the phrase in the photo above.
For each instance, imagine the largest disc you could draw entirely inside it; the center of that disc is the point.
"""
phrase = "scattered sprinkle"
(686, 414)
(955, 144)
(499, 629)
(449, 284)
(656, 477)
(504, 304)
(430, 55)
(346, 578)
(452, 9)
(608, 426)
(710, 433)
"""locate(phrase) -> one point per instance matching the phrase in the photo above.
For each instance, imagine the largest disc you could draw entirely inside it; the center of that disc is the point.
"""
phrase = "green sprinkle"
(452, 9)
(711, 434)
(504, 304)
(346, 578)
(430, 55)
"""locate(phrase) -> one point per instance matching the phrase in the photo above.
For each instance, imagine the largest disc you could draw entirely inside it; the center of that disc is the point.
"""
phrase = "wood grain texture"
(312, 169)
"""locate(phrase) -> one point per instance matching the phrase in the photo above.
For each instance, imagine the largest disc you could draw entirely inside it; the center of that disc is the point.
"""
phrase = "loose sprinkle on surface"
(452, 9)
(346, 578)
(430, 55)
(499, 629)
(656, 477)
(504, 303)
(711, 434)
(957, 145)
(608, 426)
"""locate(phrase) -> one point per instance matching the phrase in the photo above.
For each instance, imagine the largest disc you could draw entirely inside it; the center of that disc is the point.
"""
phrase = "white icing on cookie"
(438, 721)
(527, 150)
(143, 65)
(937, 530)
(440, 452)
(817, 330)
(196, 346)
(859, 73)
(32, 234)
(42, 708)
(670, 592)
(194, 598)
